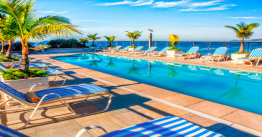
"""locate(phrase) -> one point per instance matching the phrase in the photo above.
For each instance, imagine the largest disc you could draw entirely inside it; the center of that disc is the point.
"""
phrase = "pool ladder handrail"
(97, 56)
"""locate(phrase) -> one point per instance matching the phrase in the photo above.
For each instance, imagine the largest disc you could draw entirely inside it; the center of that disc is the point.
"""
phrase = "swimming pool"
(234, 88)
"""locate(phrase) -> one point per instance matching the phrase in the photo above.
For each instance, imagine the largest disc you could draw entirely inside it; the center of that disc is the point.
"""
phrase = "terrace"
(133, 100)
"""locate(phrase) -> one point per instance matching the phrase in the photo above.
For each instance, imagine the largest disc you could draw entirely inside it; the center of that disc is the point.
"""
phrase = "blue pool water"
(234, 88)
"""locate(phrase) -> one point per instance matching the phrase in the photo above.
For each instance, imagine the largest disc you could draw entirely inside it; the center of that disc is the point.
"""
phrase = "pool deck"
(133, 103)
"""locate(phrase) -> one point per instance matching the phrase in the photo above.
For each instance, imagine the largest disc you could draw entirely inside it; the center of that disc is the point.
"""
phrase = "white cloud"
(163, 4)
(129, 2)
(55, 12)
(204, 4)
(221, 7)
(245, 17)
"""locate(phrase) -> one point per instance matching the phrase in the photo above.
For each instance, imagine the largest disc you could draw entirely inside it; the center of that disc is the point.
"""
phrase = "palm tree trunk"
(24, 65)
(3, 47)
(93, 43)
(9, 50)
(133, 42)
(110, 44)
(242, 46)
(84, 44)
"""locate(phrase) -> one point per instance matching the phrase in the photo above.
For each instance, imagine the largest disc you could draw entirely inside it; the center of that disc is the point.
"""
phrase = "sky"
(191, 20)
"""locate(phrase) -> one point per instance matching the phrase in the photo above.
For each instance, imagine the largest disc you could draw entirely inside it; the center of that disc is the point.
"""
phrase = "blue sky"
(191, 20)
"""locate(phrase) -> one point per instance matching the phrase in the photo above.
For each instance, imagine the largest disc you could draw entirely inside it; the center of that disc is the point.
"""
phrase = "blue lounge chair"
(220, 53)
(163, 127)
(7, 132)
(255, 56)
(136, 50)
(125, 50)
(116, 49)
(150, 50)
(192, 52)
(51, 95)
(160, 53)
(56, 73)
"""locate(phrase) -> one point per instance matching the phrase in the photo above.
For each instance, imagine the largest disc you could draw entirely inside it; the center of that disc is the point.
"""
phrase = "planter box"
(110, 48)
(8, 63)
(172, 53)
(236, 56)
(24, 85)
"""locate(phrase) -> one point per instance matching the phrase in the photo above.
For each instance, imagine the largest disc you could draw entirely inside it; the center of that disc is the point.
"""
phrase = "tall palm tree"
(29, 26)
(110, 39)
(243, 31)
(84, 41)
(2, 39)
(93, 38)
(133, 36)
(10, 33)
(174, 39)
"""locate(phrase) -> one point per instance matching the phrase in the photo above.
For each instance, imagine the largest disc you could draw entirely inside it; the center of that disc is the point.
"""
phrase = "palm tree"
(133, 36)
(133, 69)
(174, 39)
(84, 41)
(243, 31)
(111, 63)
(172, 72)
(110, 39)
(93, 37)
(2, 39)
(29, 26)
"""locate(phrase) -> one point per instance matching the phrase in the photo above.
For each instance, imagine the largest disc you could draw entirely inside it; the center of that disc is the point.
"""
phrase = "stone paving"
(127, 108)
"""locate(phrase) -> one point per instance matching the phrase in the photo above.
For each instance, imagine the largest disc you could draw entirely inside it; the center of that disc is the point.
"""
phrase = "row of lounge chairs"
(219, 54)
(166, 126)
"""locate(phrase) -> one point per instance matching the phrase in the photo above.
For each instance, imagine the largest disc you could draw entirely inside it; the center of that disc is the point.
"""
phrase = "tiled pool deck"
(133, 103)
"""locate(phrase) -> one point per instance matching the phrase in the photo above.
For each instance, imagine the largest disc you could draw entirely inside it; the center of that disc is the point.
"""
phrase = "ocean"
(185, 46)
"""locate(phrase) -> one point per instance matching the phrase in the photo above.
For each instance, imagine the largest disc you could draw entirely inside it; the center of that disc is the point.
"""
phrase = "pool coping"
(220, 120)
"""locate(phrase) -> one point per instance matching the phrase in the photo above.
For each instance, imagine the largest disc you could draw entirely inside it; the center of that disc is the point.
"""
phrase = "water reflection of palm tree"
(111, 63)
(133, 69)
(234, 92)
(93, 64)
(172, 72)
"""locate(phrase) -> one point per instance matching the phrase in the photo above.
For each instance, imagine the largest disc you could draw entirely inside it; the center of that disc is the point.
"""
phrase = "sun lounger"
(116, 49)
(51, 95)
(219, 54)
(136, 50)
(125, 50)
(17, 66)
(255, 56)
(150, 50)
(160, 53)
(163, 127)
(7, 132)
(192, 52)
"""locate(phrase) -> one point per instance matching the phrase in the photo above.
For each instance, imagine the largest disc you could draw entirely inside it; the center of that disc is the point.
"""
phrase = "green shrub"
(174, 49)
(241, 53)
(13, 74)
(4, 59)
(111, 46)
(133, 47)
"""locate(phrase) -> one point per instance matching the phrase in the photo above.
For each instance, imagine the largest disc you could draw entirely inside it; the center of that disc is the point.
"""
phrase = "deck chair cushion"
(7, 132)
(168, 126)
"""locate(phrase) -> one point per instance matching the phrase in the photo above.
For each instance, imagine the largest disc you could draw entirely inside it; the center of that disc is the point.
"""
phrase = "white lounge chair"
(150, 50)
(219, 54)
(116, 49)
(136, 50)
(170, 126)
(255, 56)
(125, 50)
(51, 95)
(192, 52)
(160, 53)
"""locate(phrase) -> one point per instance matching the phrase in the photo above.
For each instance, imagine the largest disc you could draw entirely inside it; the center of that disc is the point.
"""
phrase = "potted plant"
(23, 81)
(243, 31)
(110, 40)
(93, 38)
(174, 39)
(133, 36)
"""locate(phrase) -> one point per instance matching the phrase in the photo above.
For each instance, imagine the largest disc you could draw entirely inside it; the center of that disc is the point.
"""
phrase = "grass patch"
(4, 59)
(174, 49)
(14, 74)
(241, 53)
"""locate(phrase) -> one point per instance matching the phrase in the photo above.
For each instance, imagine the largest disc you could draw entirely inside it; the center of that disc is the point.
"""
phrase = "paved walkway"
(127, 108)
